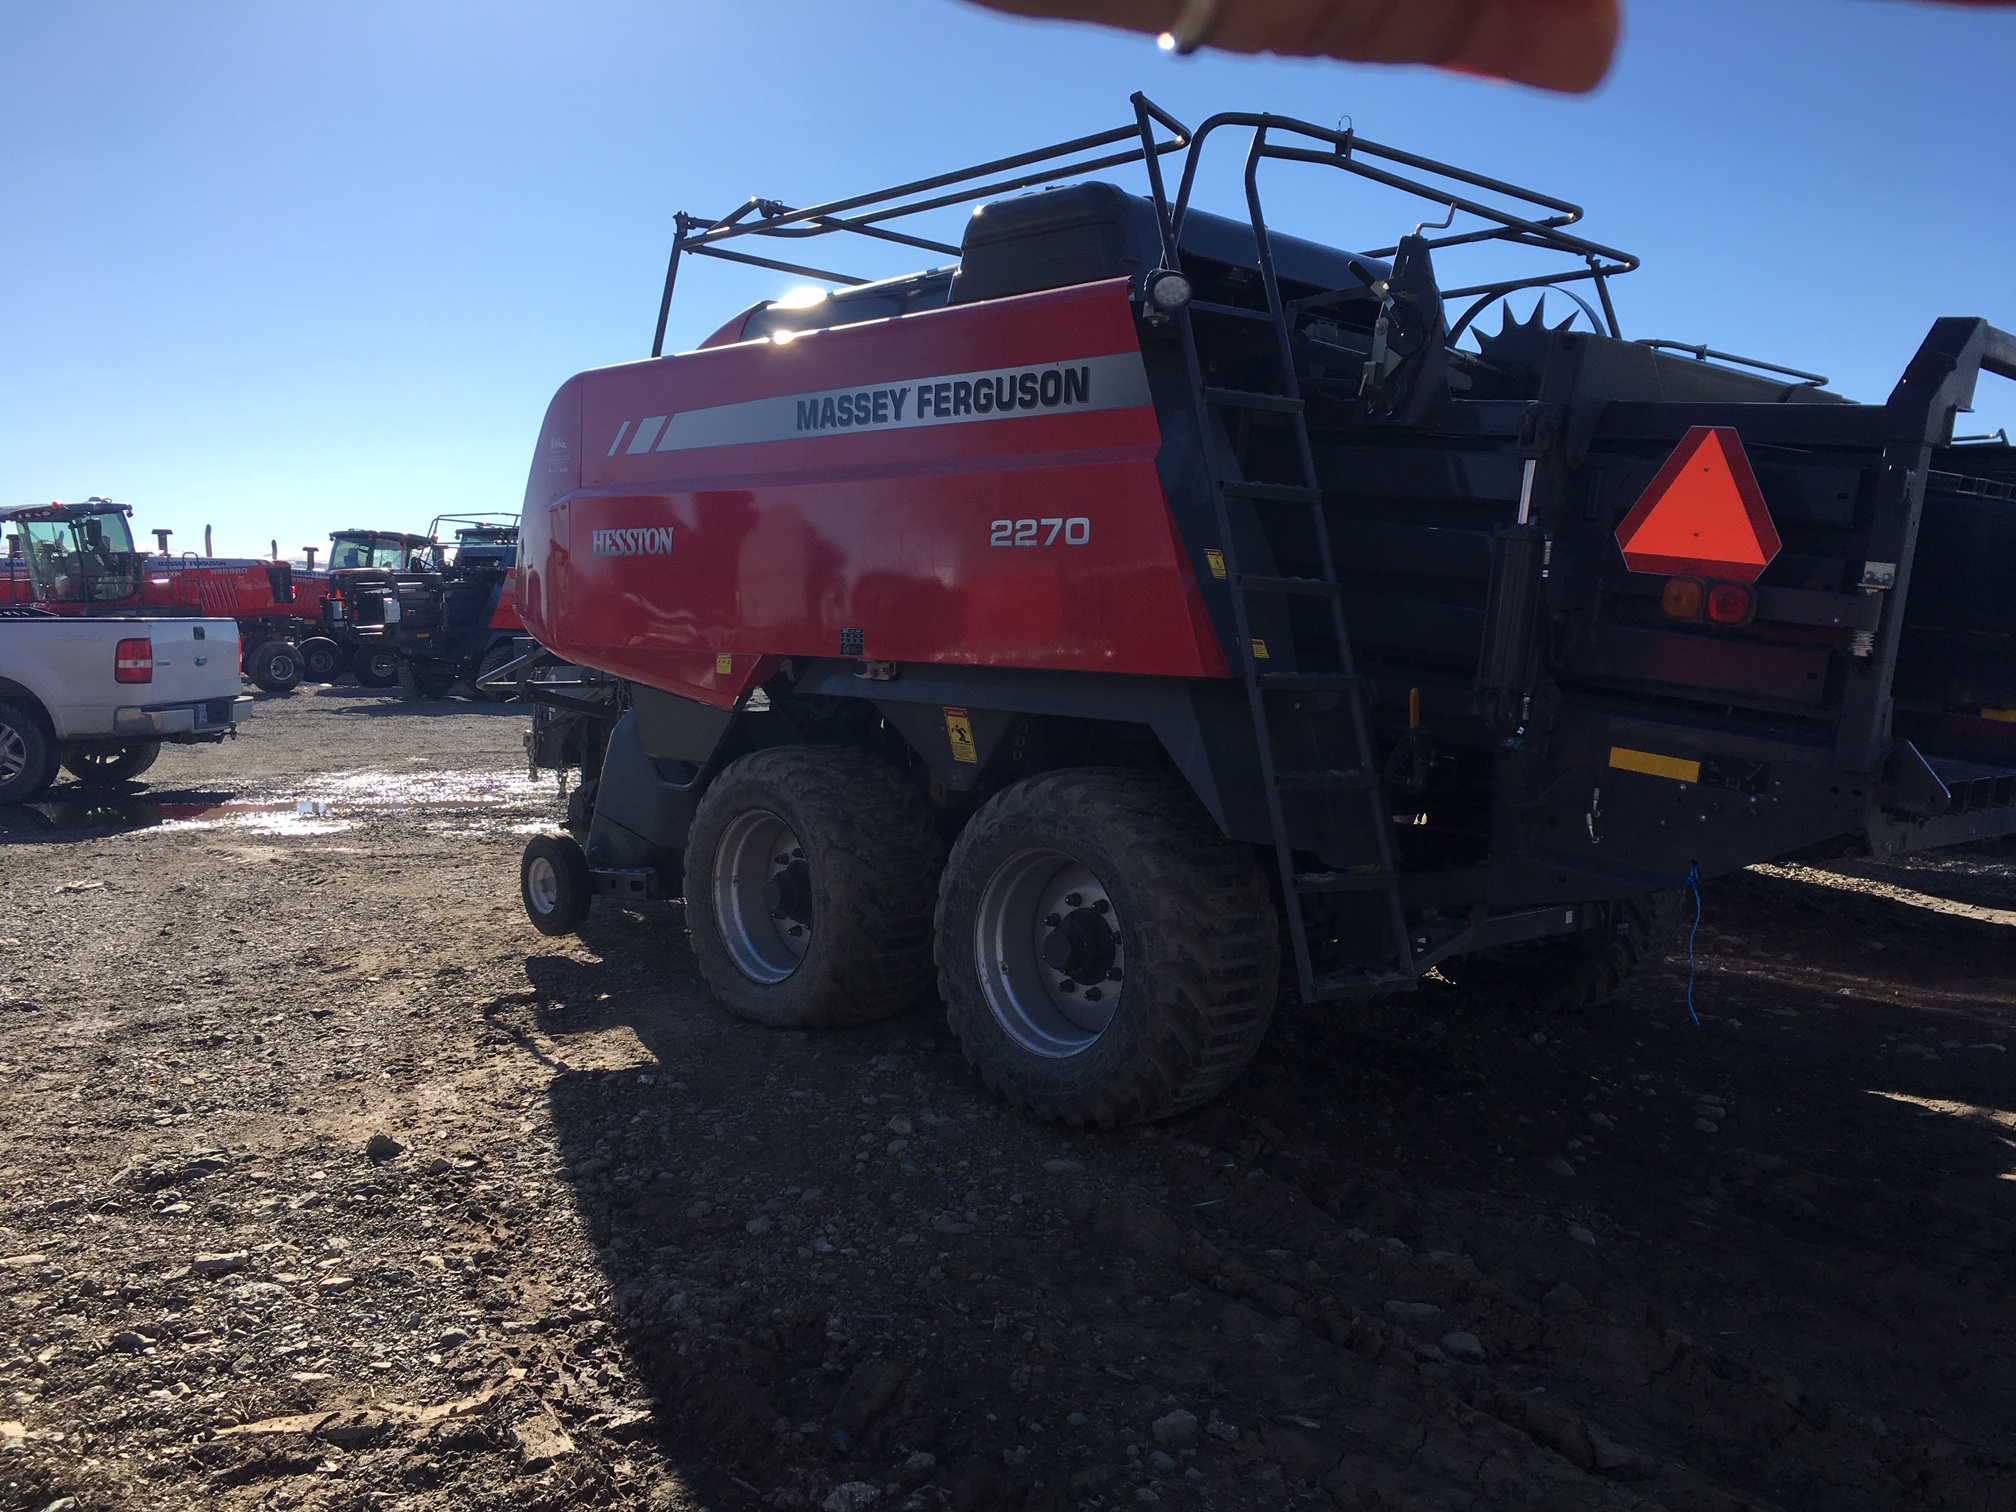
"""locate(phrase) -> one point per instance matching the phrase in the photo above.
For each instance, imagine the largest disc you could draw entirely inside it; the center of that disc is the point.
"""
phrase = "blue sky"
(278, 267)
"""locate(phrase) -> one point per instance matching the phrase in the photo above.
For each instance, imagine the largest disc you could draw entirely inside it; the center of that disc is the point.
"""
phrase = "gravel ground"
(328, 1183)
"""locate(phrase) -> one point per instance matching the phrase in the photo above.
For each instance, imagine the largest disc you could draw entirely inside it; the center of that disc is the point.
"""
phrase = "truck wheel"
(27, 756)
(494, 658)
(321, 659)
(1105, 955)
(100, 766)
(1580, 972)
(421, 682)
(374, 668)
(809, 877)
(555, 884)
(274, 666)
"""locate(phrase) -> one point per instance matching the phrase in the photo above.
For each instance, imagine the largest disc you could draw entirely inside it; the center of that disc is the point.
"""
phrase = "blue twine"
(1693, 886)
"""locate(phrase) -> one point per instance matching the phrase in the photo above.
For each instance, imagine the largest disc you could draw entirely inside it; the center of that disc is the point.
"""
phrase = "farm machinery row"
(390, 608)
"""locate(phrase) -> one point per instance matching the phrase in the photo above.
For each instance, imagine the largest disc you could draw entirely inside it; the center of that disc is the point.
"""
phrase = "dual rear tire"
(1104, 955)
(418, 682)
(374, 667)
(275, 666)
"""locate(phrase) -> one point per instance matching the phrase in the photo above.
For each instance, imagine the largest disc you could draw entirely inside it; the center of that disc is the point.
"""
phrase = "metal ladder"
(1360, 781)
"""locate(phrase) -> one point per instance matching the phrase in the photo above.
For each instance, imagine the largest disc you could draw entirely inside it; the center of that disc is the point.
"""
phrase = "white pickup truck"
(101, 696)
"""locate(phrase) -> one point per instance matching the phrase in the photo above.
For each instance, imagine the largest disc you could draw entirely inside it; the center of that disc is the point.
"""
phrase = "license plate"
(202, 716)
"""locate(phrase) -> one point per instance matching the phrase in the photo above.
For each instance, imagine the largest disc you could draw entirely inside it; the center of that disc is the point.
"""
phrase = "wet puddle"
(333, 804)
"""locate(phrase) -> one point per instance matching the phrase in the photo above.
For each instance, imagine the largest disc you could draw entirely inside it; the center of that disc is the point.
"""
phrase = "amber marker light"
(1683, 598)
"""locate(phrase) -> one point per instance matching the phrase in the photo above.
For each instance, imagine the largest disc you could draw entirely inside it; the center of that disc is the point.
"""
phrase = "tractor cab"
(481, 541)
(75, 553)
(487, 546)
(392, 550)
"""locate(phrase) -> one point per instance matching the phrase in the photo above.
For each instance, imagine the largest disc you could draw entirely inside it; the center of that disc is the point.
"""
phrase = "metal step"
(1241, 312)
(1361, 981)
(1277, 404)
(1974, 786)
(1273, 493)
(1315, 780)
(1338, 882)
(1306, 587)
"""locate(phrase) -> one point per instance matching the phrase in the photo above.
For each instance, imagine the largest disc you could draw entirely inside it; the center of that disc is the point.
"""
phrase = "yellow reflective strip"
(1652, 764)
(2000, 716)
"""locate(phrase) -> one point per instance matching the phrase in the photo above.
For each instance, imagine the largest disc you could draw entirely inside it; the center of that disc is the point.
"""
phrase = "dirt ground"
(328, 1183)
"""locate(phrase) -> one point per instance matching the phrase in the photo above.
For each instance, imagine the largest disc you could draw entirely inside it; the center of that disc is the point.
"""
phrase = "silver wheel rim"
(763, 896)
(1049, 953)
(13, 753)
(542, 885)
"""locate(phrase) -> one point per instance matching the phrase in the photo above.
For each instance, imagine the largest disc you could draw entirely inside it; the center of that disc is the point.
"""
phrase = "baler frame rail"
(1346, 148)
(862, 214)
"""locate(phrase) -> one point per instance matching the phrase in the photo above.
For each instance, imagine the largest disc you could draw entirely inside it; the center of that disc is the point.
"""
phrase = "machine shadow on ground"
(1725, 1250)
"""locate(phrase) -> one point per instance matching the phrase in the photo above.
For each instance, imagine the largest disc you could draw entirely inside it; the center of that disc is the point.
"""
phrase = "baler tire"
(1580, 973)
(100, 766)
(27, 753)
(374, 667)
(870, 855)
(494, 658)
(417, 683)
(1196, 934)
(321, 659)
(274, 666)
(555, 884)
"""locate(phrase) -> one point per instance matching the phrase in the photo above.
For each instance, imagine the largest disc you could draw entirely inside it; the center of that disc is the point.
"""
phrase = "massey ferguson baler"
(1145, 606)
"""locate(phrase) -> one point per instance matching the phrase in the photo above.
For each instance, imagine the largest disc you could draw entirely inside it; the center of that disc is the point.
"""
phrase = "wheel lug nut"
(1093, 994)
(1074, 900)
(1051, 921)
(1067, 985)
(1102, 906)
(1113, 974)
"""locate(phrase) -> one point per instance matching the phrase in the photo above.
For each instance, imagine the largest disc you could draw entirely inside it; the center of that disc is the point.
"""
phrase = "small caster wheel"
(555, 883)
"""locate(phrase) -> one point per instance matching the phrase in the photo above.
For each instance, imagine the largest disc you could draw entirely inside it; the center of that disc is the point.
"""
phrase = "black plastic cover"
(1084, 232)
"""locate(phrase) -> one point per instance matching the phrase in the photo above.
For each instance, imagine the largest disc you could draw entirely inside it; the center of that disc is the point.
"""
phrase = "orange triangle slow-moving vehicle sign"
(1704, 514)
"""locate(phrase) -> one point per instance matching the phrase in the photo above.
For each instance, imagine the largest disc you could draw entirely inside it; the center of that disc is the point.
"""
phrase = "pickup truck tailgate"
(194, 661)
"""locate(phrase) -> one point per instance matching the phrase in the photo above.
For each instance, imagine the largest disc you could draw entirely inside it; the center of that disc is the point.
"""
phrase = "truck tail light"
(1683, 598)
(1730, 603)
(133, 661)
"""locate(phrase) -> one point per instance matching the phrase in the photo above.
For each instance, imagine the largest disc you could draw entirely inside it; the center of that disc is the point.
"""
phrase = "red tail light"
(1730, 603)
(133, 661)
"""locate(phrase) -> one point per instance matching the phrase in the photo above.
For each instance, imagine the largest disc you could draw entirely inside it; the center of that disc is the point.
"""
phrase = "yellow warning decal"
(1216, 560)
(1652, 764)
(959, 730)
(1260, 650)
(724, 664)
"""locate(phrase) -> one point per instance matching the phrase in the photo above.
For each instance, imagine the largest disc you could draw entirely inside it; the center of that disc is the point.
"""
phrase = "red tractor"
(81, 559)
(1143, 608)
